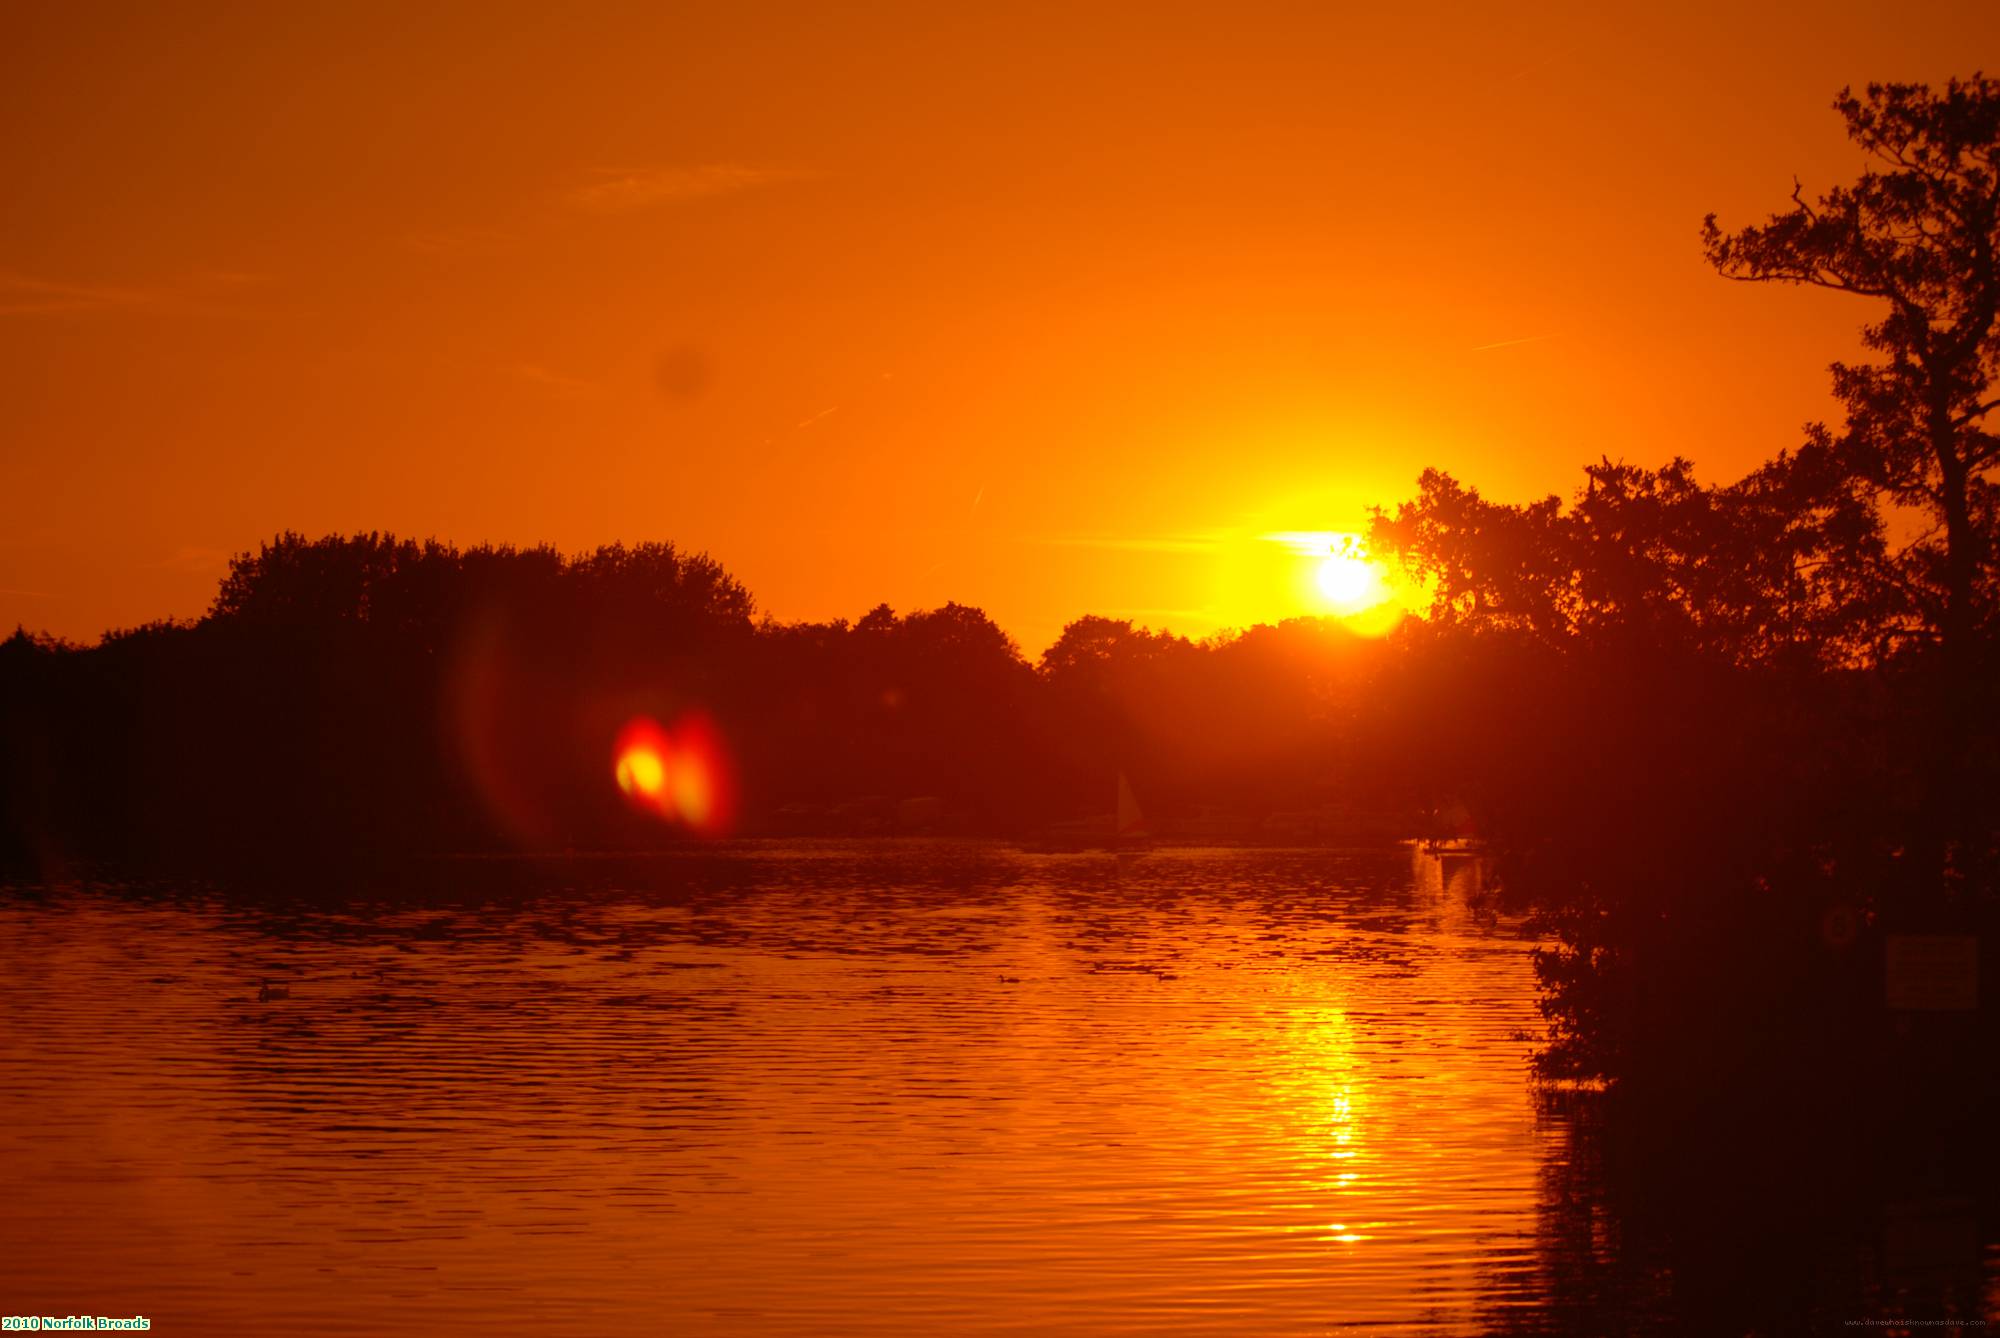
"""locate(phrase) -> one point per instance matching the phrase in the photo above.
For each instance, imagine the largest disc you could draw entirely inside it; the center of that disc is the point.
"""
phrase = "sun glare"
(1348, 582)
(1345, 579)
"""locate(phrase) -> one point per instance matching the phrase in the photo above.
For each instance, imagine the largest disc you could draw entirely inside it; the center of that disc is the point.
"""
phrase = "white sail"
(1131, 822)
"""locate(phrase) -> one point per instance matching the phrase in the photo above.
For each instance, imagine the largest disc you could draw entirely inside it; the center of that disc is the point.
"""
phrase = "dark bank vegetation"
(1731, 738)
(1727, 737)
(380, 694)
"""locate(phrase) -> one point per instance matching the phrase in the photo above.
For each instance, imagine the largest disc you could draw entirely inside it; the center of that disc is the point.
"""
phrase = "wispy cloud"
(191, 557)
(463, 242)
(33, 295)
(1198, 615)
(1317, 543)
(618, 190)
(24, 294)
(570, 387)
(1153, 543)
(1510, 343)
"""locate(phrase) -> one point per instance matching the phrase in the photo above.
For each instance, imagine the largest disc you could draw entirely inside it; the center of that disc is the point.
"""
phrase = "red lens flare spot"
(682, 774)
(642, 771)
(644, 755)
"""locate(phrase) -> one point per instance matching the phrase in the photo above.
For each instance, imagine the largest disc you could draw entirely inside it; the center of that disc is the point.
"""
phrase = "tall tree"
(1919, 234)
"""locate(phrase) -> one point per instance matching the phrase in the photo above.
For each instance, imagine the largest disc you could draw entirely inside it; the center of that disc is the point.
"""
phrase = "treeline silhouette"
(379, 695)
(1726, 738)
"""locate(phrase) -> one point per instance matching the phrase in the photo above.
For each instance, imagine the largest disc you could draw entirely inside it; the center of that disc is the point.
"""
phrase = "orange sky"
(1049, 309)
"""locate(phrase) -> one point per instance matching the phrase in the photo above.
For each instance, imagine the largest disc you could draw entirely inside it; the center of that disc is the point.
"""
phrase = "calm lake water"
(901, 1089)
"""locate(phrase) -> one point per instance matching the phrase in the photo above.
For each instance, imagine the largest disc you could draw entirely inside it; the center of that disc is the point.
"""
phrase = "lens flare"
(682, 775)
(642, 771)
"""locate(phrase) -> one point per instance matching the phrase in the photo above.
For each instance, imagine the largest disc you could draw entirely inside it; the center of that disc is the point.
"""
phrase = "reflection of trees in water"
(1746, 1222)
(1462, 877)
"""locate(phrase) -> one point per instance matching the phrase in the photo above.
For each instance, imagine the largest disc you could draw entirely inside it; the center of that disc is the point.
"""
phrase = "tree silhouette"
(1919, 234)
(1757, 571)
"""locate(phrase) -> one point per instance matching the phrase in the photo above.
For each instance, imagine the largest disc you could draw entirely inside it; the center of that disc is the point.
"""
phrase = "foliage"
(1709, 720)
(1919, 234)
(1760, 571)
(372, 694)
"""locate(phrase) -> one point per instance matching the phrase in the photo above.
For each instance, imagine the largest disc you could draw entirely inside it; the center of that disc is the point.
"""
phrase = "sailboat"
(1124, 829)
(1131, 826)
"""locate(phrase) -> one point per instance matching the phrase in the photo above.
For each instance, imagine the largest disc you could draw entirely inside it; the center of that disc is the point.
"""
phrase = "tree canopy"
(1918, 234)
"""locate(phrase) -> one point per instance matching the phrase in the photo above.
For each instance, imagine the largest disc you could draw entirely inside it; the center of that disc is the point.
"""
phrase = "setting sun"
(1336, 571)
(1348, 580)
